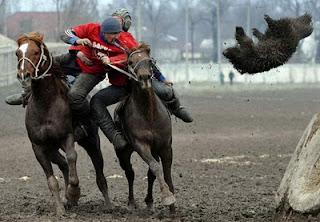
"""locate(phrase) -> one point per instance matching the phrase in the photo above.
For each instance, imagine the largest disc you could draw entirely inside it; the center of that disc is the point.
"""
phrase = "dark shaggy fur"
(275, 46)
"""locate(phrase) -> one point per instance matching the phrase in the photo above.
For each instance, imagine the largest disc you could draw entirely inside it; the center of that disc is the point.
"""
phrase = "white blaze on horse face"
(23, 48)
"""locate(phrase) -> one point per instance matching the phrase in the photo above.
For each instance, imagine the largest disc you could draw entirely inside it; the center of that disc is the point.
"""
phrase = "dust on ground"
(227, 164)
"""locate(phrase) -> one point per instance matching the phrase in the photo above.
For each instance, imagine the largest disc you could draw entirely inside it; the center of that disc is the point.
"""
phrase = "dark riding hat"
(110, 25)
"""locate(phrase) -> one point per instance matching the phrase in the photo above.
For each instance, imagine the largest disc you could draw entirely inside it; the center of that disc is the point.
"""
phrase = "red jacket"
(115, 53)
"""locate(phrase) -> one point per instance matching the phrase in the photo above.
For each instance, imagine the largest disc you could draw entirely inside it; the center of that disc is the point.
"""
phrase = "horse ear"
(36, 35)
(39, 35)
(145, 46)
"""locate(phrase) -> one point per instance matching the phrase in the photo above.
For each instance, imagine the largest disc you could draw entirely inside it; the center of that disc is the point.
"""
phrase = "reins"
(42, 60)
(132, 76)
(132, 71)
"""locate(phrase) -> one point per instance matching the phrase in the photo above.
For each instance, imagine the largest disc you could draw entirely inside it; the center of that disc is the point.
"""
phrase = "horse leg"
(144, 151)
(166, 160)
(92, 145)
(149, 198)
(124, 157)
(60, 160)
(151, 178)
(51, 180)
(73, 189)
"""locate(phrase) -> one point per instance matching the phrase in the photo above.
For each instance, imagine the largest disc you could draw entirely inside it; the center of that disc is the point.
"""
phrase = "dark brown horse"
(49, 123)
(146, 124)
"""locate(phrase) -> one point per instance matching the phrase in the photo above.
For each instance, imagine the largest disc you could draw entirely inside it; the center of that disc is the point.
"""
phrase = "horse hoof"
(132, 206)
(70, 204)
(61, 211)
(150, 208)
(109, 206)
(167, 201)
(73, 195)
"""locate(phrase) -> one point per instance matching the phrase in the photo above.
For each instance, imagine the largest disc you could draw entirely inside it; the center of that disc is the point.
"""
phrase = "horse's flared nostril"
(24, 76)
(28, 75)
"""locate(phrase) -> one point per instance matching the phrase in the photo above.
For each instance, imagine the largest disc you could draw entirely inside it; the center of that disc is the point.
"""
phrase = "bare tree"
(79, 11)
(3, 15)
(59, 10)
(313, 6)
(210, 12)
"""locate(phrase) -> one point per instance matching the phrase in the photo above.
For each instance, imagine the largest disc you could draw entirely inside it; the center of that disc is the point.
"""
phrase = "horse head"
(140, 64)
(34, 59)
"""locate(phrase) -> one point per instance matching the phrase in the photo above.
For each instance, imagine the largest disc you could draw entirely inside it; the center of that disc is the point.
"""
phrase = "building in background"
(25, 22)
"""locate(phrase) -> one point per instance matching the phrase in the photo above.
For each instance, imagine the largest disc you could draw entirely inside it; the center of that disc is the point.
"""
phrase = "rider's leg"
(64, 59)
(68, 63)
(83, 84)
(170, 96)
(20, 98)
(101, 115)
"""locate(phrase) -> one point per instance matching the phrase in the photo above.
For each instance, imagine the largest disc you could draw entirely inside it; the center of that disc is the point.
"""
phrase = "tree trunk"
(298, 196)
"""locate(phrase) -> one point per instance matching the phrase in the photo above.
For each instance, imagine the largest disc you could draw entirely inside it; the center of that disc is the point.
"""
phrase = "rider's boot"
(109, 129)
(179, 111)
(19, 98)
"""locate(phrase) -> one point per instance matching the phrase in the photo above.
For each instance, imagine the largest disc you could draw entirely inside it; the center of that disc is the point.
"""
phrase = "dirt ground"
(227, 164)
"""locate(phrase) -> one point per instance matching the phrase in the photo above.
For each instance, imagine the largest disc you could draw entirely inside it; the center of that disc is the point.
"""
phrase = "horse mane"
(37, 37)
(143, 46)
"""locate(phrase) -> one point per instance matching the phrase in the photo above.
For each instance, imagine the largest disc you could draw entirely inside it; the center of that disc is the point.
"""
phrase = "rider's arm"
(78, 35)
(157, 74)
(118, 60)
(69, 36)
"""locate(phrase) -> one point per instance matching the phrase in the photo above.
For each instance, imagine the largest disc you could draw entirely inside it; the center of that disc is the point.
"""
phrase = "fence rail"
(209, 72)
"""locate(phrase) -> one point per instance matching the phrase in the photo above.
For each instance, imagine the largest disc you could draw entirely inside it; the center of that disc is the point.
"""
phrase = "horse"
(49, 124)
(146, 123)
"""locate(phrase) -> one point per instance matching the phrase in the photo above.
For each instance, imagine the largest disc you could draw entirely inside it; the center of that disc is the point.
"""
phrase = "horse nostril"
(28, 74)
(23, 77)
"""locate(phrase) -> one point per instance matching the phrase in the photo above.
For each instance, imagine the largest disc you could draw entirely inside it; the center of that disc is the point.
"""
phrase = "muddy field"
(227, 164)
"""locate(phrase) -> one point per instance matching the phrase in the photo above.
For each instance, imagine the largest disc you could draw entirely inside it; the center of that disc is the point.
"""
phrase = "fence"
(209, 72)
(8, 63)
(176, 72)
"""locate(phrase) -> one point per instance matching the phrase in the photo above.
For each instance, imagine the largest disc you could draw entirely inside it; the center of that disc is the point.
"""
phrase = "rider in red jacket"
(98, 44)
(108, 40)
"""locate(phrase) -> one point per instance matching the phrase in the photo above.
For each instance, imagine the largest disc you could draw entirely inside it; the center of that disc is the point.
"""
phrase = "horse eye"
(36, 53)
(130, 63)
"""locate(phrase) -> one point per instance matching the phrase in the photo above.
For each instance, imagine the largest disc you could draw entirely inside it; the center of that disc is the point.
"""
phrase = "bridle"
(132, 70)
(41, 62)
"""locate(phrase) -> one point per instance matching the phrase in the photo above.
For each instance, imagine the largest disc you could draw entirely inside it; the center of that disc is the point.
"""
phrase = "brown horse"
(49, 123)
(146, 123)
